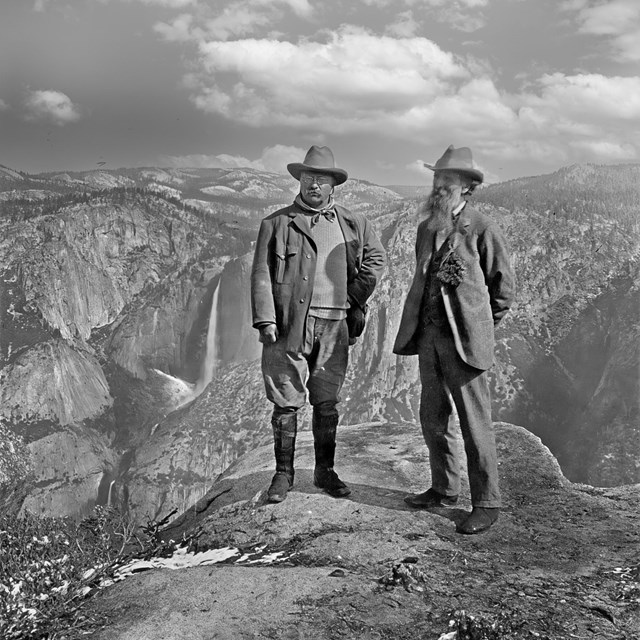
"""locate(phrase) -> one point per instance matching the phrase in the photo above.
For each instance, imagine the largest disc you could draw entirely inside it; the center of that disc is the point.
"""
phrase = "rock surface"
(53, 382)
(558, 564)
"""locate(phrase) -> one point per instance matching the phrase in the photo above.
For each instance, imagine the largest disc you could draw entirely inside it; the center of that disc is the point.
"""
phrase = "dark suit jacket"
(478, 303)
(284, 267)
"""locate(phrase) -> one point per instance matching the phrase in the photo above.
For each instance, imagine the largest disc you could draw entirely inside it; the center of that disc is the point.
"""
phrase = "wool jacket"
(284, 267)
(476, 305)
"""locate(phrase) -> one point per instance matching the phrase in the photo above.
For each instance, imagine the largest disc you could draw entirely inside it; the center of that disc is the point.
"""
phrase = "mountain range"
(129, 371)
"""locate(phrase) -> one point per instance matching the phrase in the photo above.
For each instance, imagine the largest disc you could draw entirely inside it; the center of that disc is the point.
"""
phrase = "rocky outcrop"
(69, 467)
(184, 453)
(81, 267)
(53, 382)
(560, 562)
(16, 471)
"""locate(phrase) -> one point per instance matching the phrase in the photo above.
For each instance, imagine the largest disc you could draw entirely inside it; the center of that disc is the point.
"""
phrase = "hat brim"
(474, 174)
(296, 168)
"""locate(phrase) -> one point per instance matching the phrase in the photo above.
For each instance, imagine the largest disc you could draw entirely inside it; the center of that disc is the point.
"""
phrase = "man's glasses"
(319, 180)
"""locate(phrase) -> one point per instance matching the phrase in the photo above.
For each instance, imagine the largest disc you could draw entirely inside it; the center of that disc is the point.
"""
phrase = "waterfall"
(109, 494)
(177, 392)
(211, 351)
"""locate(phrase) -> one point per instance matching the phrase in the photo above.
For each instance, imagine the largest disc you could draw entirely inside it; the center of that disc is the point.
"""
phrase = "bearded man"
(315, 266)
(463, 286)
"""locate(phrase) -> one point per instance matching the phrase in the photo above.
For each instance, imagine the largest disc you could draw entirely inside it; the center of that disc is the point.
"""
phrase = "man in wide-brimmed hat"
(463, 286)
(315, 266)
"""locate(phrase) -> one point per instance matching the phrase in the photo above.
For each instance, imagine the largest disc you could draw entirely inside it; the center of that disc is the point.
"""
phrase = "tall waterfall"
(178, 392)
(210, 361)
(109, 500)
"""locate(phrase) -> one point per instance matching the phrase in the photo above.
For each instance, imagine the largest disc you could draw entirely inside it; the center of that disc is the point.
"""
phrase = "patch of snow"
(218, 189)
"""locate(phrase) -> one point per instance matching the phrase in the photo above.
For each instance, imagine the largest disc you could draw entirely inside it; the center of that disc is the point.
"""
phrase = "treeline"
(19, 209)
(580, 193)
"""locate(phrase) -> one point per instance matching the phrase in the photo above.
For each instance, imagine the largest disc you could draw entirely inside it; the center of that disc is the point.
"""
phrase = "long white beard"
(439, 208)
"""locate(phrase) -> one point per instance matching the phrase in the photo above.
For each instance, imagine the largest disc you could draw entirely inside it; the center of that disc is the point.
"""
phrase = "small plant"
(469, 627)
(48, 566)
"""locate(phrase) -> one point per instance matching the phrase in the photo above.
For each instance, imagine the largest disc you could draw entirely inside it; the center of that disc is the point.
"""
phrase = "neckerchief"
(328, 212)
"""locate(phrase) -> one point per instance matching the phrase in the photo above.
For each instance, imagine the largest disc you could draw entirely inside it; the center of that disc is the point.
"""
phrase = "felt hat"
(458, 160)
(318, 160)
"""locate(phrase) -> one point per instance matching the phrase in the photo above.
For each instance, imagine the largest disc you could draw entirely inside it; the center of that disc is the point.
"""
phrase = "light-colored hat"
(318, 160)
(458, 160)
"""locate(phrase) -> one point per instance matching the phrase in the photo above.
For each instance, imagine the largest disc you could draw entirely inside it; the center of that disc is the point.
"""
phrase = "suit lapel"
(459, 232)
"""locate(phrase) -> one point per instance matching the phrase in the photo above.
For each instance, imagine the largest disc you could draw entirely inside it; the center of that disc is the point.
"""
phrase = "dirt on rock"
(562, 562)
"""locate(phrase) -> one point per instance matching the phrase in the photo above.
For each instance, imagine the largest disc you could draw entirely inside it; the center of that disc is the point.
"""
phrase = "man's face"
(447, 182)
(316, 188)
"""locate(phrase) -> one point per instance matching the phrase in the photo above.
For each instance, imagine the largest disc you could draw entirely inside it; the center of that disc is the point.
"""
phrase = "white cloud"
(353, 76)
(352, 81)
(470, 4)
(589, 96)
(605, 151)
(170, 4)
(51, 106)
(617, 19)
(236, 19)
(277, 157)
(417, 168)
(405, 26)
(579, 118)
(177, 30)
(274, 159)
(408, 88)
(301, 8)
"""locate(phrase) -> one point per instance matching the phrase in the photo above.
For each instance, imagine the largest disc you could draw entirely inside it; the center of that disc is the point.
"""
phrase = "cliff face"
(73, 282)
(53, 382)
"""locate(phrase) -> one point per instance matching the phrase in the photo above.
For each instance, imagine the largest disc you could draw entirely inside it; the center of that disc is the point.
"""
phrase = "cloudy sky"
(529, 85)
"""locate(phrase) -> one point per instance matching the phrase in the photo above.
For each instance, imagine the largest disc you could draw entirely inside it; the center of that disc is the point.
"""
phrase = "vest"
(432, 303)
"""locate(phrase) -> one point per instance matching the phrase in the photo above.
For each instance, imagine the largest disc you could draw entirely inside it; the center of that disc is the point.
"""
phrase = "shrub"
(48, 566)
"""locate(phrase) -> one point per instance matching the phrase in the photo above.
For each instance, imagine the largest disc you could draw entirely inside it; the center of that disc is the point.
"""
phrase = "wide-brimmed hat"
(458, 160)
(318, 160)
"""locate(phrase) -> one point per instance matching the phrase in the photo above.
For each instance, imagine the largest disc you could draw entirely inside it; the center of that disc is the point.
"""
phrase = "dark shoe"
(279, 488)
(481, 519)
(328, 480)
(429, 499)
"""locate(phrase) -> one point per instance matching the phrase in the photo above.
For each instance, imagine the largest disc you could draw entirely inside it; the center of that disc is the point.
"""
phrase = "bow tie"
(329, 214)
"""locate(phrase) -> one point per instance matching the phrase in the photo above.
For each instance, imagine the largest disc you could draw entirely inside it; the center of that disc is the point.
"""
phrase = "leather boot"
(324, 443)
(285, 427)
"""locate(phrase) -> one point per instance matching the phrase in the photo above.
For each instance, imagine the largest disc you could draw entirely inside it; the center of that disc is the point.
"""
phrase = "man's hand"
(355, 321)
(268, 333)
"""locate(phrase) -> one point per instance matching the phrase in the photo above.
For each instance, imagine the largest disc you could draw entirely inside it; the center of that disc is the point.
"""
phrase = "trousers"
(316, 372)
(445, 376)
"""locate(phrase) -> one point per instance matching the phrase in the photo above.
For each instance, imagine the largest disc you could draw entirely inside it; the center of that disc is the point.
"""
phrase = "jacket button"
(301, 300)
(308, 256)
(305, 277)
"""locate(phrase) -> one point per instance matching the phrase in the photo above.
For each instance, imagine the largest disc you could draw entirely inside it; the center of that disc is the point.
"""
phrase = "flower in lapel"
(452, 268)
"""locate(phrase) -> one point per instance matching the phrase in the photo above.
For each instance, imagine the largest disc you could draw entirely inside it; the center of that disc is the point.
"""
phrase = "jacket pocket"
(284, 258)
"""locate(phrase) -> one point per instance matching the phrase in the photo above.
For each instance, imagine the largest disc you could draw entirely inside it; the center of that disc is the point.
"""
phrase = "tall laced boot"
(285, 427)
(324, 443)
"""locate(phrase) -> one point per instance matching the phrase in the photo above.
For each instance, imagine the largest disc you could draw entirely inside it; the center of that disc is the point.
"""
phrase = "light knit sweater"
(329, 299)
